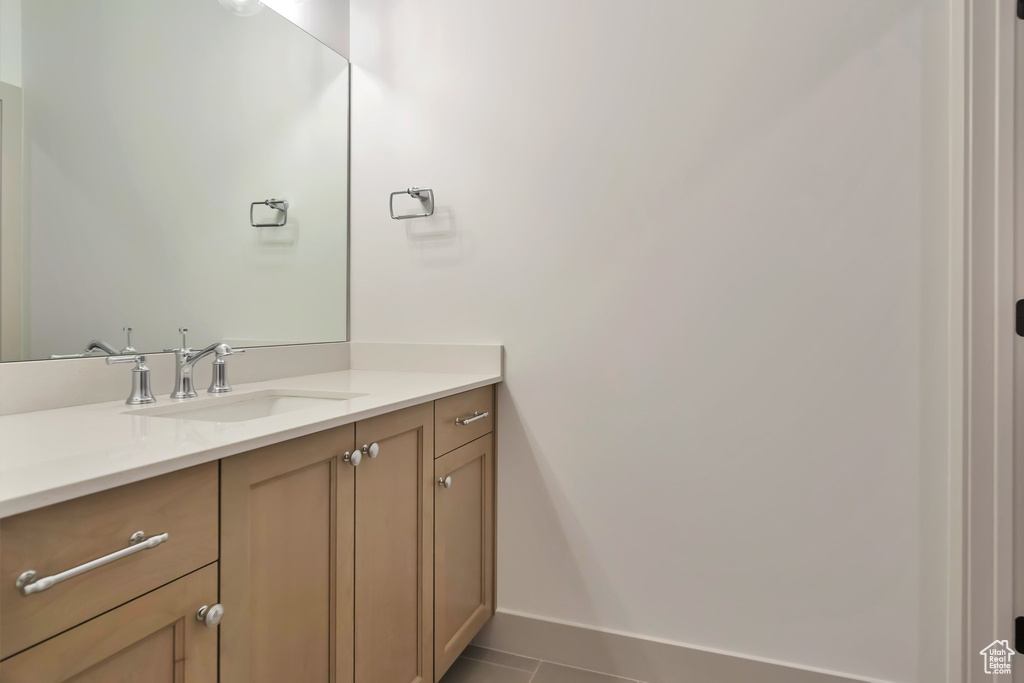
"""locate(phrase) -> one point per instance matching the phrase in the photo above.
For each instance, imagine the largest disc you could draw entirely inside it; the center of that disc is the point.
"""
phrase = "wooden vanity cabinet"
(350, 555)
(287, 529)
(394, 546)
(463, 548)
(155, 638)
(327, 556)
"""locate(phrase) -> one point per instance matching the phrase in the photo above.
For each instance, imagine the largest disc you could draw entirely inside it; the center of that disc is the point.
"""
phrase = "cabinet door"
(286, 561)
(463, 548)
(152, 639)
(394, 548)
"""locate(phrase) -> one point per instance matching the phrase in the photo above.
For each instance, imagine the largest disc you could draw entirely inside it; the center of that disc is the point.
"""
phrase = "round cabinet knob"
(353, 458)
(445, 482)
(372, 450)
(210, 616)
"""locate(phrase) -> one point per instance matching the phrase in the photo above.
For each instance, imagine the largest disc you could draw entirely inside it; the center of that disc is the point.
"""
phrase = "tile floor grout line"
(589, 671)
(504, 652)
(542, 662)
(503, 666)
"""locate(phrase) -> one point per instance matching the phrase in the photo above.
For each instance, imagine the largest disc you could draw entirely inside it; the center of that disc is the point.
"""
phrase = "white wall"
(150, 127)
(327, 20)
(10, 42)
(712, 237)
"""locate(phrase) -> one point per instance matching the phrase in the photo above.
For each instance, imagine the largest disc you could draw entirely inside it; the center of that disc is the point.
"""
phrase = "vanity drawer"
(464, 407)
(52, 540)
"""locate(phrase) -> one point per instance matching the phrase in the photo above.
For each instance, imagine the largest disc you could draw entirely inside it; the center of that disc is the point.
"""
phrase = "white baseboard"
(637, 658)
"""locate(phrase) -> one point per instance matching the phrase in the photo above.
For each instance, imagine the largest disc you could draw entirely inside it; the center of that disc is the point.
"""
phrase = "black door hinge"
(1018, 635)
(1020, 317)
(1020, 9)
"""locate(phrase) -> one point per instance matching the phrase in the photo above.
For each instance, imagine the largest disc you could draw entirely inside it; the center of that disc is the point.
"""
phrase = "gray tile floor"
(477, 665)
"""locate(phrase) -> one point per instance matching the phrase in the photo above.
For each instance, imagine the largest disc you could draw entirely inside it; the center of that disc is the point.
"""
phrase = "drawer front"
(153, 639)
(449, 434)
(62, 537)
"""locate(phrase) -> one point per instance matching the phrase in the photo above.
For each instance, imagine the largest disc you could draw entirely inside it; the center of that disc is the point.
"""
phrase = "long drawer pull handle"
(476, 416)
(28, 584)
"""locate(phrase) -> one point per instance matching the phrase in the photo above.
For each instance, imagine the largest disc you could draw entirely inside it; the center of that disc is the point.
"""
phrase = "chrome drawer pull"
(476, 416)
(28, 584)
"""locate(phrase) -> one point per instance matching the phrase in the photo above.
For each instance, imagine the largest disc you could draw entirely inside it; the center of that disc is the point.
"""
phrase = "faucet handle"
(128, 348)
(219, 383)
(183, 331)
(141, 392)
(139, 360)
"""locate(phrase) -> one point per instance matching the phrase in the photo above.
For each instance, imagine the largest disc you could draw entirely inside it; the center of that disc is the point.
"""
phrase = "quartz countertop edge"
(52, 456)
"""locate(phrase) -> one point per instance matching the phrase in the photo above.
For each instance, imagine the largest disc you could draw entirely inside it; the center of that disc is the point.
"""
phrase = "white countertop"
(51, 456)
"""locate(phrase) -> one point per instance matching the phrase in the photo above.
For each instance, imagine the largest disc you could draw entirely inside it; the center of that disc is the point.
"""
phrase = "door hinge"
(1018, 635)
(1020, 9)
(1020, 317)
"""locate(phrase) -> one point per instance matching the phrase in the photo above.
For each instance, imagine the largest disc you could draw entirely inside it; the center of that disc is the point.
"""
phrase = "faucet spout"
(90, 348)
(100, 345)
(196, 356)
(185, 361)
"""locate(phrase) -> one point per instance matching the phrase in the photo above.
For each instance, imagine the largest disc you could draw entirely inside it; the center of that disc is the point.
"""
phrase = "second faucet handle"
(225, 350)
(219, 382)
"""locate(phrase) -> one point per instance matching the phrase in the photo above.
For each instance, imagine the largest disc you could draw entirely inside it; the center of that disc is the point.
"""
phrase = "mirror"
(141, 143)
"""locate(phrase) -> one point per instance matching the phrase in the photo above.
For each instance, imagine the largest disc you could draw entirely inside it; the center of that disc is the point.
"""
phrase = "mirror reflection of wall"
(148, 129)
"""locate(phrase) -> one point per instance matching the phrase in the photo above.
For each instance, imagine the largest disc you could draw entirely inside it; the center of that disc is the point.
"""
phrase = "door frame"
(982, 486)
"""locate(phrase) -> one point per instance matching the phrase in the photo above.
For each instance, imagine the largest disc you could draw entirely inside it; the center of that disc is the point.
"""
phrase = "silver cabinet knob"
(353, 458)
(210, 616)
(445, 482)
(372, 450)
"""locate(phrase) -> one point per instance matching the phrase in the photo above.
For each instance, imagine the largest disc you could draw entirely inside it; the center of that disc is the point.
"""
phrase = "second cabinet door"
(152, 639)
(286, 561)
(394, 548)
(464, 548)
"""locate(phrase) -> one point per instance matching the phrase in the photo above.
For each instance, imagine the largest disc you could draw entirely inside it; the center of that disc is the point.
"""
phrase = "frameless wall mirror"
(142, 144)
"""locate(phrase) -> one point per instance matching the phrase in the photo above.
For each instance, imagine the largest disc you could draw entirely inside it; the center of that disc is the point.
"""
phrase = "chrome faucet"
(105, 348)
(185, 360)
(100, 345)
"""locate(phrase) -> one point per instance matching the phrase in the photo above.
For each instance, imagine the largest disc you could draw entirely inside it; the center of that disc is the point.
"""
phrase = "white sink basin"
(245, 407)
